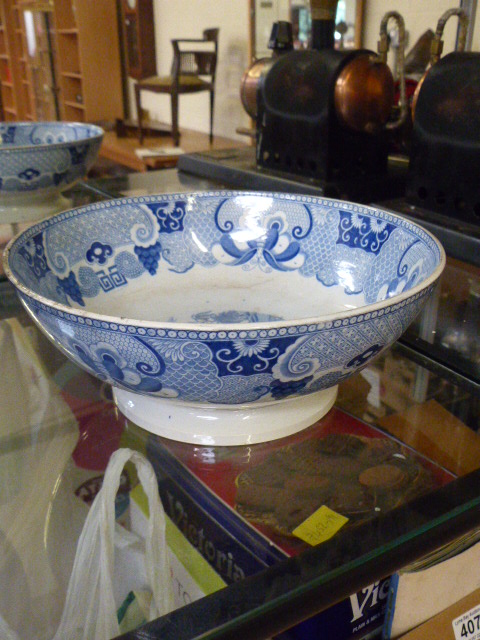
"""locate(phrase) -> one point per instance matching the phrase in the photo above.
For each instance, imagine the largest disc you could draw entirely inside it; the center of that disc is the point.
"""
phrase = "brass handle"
(437, 42)
(436, 47)
(383, 47)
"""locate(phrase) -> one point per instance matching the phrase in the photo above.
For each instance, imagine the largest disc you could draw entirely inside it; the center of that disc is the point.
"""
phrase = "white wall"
(476, 32)
(187, 18)
(266, 14)
(418, 15)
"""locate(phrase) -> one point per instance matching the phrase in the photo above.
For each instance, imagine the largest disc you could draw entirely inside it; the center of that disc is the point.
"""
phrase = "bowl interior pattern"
(45, 155)
(224, 297)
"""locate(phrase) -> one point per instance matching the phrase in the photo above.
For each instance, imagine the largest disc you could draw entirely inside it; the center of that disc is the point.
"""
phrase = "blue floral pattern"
(245, 354)
(29, 174)
(71, 288)
(202, 366)
(169, 215)
(281, 390)
(45, 156)
(225, 356)
(363, 232)
(99, 253)
(149, 257)
(273, 245)
(106, 361)
(233, 316)
(7, 133)
(34, 255)
(78, 154)
(363, 358)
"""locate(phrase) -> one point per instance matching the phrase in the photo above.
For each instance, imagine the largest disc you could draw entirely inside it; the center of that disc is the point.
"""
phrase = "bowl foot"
(208, 424)
(29, 208)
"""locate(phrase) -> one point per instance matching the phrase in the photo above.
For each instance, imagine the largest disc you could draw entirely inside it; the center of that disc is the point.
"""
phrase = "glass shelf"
(422, 395)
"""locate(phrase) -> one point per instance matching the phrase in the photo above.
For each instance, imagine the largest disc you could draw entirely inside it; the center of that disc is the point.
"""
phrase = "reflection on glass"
(30, 33)
(345, 24)
(132, 42)
(41, 72)
(267, 12)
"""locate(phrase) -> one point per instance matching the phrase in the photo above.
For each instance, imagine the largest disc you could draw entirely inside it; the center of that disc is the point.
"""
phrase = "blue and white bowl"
(39, 160)
(224, 317)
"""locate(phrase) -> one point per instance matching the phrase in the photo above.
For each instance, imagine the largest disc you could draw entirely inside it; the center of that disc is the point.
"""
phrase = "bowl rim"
(100, 133)
(59, 307)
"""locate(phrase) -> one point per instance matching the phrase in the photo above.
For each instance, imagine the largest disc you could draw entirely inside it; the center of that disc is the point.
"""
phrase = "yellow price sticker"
(320, 526)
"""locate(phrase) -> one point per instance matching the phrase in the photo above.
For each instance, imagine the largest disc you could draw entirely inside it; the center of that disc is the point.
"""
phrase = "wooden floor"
(121, 150)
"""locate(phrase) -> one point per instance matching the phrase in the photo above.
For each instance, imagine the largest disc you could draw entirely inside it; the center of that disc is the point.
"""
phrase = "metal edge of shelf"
(274, 600)
(435, 360)
(202, 166)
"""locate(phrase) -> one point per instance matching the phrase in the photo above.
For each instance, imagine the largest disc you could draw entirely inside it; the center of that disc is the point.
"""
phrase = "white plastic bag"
(90, 611)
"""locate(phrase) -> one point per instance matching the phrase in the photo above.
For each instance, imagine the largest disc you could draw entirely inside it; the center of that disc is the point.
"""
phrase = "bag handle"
(90, 609)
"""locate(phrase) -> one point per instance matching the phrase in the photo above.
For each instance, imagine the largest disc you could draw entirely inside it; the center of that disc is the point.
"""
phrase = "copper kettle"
(323, 12)
(281, 41)
(365, 88)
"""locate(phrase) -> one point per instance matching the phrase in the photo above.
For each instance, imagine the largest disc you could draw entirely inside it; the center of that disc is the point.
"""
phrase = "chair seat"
(167, 81)
(193, 70)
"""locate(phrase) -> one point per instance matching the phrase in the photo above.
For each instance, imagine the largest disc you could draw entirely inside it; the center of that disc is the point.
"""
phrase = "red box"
(238, 505)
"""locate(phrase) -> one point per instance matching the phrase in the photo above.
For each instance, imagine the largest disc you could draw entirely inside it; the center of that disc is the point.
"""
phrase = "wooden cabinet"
(139, 38)
(88, 60)
(60, 60)
(13, 84)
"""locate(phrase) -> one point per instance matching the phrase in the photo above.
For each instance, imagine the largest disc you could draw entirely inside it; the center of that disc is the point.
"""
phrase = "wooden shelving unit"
(72, 71)
(14, 102)
(88, 60)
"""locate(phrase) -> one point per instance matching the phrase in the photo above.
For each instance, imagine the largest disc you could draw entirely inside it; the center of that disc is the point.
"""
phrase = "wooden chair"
(193, 70)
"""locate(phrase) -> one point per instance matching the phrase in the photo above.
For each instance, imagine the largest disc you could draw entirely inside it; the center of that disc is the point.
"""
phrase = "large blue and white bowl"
(224, 317)
(39, 160)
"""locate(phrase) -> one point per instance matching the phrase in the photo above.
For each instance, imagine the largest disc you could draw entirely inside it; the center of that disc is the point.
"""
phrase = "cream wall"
(476, 32)
(418, 15)
(266, 14)
(187, 18)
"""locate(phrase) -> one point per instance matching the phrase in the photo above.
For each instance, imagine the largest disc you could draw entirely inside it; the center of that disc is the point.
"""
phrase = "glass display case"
(421, 397)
